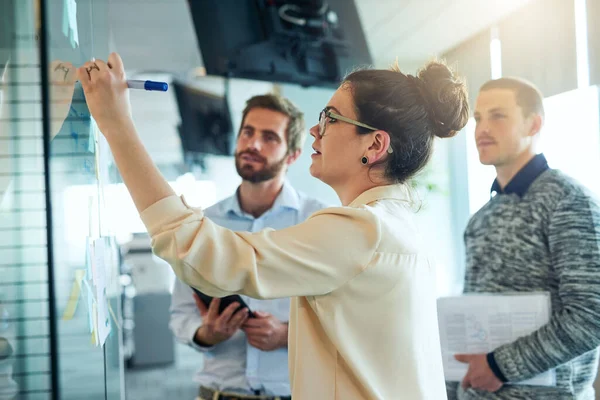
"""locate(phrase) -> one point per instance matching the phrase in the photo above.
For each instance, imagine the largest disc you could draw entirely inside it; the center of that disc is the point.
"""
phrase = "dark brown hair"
(413, 110)
(295, 133)
(528, 96)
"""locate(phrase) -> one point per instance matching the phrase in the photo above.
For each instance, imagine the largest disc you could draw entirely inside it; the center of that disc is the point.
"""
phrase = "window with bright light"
(570, 139)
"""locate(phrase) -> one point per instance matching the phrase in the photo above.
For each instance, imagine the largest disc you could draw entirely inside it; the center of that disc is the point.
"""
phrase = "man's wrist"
(491, 360)
(200, 338)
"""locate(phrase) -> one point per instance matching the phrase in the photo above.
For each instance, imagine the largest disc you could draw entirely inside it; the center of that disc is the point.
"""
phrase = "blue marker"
(147, 85)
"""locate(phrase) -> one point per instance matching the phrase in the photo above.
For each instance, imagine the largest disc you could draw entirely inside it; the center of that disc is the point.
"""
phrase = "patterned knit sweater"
(546, 240)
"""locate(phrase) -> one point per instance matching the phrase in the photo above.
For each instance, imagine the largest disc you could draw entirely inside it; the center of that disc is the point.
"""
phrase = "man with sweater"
(540, 231)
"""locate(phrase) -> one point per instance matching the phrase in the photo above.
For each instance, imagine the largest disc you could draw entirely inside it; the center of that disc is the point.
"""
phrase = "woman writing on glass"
(363, 321)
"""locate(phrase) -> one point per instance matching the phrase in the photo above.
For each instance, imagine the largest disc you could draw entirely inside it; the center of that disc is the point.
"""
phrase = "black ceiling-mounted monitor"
(206, 126)
(308, 42)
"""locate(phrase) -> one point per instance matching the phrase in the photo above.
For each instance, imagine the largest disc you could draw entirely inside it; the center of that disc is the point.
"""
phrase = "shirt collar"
(287, 198)
(521, 182)
(397, 192)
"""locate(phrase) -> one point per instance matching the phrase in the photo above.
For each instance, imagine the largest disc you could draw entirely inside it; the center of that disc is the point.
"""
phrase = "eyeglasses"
(326, 113)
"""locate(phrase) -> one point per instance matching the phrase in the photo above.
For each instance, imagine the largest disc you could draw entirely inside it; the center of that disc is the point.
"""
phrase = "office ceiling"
(161, 36)
(415, 30)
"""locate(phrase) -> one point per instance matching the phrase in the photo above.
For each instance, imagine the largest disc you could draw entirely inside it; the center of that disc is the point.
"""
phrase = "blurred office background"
(54, 196)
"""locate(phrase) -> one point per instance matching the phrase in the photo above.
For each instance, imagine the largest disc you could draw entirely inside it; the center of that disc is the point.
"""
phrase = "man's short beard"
(267, 172)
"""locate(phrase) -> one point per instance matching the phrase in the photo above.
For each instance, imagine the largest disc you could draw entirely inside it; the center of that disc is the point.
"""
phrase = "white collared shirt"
(235, 365)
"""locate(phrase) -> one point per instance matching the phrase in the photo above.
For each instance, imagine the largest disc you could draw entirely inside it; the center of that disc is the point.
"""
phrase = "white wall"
(156, 117)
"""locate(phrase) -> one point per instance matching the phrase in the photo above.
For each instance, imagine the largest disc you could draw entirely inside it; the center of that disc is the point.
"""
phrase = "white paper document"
(103, 317)
(479, 323)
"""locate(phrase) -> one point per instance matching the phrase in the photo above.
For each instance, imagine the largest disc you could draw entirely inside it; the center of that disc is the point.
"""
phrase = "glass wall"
(59, 297)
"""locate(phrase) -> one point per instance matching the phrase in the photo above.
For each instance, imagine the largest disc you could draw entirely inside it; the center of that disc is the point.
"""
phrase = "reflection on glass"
(8, 387)
(61, 76)
(82, 369)
(77, 32)
(24, 323)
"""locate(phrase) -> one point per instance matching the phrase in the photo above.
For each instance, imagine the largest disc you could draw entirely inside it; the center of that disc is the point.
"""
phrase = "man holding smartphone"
(248, 356)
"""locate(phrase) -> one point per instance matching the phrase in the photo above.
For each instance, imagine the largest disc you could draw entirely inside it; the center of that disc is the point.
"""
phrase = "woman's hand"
(107, 97)
(106, 94)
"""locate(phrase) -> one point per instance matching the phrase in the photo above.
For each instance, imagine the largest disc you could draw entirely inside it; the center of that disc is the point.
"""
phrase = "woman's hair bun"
(446, 96)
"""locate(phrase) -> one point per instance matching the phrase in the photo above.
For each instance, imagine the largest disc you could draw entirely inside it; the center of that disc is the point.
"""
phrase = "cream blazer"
(363, 322)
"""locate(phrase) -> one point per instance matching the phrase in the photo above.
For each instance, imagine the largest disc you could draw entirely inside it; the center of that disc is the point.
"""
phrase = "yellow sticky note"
(95, 331)
(112, 313)
(74, 296)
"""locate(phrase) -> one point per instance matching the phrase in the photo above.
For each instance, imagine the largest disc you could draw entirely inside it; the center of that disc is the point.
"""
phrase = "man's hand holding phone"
(217, 328)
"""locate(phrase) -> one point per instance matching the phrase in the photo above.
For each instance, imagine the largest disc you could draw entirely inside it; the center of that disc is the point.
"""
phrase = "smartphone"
(225, 302)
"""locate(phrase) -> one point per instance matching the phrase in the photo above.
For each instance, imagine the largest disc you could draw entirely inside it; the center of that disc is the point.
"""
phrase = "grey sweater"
(548, 239)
